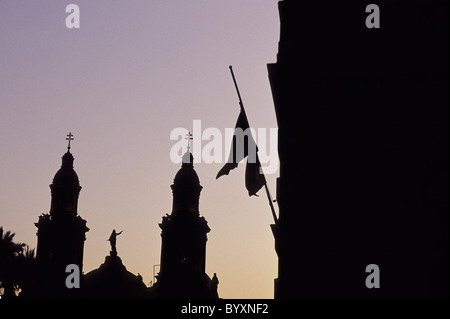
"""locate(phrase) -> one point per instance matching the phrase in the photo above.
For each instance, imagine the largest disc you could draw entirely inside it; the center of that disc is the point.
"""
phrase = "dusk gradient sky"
(132, 73)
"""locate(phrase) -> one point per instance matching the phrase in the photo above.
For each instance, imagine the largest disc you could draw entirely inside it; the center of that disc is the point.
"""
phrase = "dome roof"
(66, 175)
(187, 174)
(112, 280)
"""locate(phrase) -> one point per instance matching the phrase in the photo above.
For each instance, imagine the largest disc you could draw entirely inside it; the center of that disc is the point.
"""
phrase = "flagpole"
(237, 88)
(270, 203)
(274, 215)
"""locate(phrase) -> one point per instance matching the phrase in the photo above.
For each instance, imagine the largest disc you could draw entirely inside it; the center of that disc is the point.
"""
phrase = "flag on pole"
(244, 146)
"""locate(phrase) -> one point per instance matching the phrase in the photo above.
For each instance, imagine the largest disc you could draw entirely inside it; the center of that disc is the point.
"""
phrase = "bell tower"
(184, 235)
(61, 233)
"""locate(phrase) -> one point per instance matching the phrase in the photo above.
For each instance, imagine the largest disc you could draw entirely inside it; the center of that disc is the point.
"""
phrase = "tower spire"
(69, 138)
(189, 139)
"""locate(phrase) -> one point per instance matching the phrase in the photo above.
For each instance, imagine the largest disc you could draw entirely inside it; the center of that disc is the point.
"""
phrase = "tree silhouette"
(25, 271)
(10, 255)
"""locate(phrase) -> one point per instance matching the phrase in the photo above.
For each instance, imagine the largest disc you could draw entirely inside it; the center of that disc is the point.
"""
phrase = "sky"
(132, 73)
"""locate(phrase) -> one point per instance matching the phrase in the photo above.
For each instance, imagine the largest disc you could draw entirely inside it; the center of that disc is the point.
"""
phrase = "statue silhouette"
(112, 240)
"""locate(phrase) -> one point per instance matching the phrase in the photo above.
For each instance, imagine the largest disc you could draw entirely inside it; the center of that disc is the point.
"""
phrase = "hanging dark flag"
(244, 146)
(240, 145)
(254, 179)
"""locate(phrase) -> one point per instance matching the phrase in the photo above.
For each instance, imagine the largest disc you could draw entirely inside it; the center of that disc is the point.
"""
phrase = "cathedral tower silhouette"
(61, 233)
(184, 235)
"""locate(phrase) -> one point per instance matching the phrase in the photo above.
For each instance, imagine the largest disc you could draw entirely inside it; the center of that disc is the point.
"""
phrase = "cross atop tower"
(69, 138)
(189, 138)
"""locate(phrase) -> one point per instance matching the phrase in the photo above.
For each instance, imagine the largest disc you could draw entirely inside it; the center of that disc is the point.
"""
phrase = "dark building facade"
(363, 146)
(184, 235)
(60, 235)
